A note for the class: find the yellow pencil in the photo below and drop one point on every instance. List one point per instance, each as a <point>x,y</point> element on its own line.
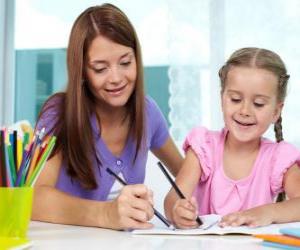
<point>19,152</point>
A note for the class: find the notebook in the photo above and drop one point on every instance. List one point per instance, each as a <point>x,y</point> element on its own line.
<point>210,226</point>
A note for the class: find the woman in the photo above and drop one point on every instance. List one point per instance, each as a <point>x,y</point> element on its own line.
<point>102,120</point>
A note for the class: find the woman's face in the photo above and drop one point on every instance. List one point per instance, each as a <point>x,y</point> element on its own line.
<point>111,71</point>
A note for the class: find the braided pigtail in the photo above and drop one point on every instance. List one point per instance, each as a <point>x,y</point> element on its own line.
<point>278,129</point>
<point>279,138</point>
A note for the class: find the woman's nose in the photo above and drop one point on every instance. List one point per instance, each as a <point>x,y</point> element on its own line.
<point>115,75</point>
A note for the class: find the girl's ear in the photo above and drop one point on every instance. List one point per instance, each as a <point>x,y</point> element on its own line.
<point>277,111</point>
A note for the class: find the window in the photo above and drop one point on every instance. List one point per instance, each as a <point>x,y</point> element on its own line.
<point>183,47</point>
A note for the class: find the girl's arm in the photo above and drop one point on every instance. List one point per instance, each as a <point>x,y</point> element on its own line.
<point>280,212</point>
<point>131,209</point>
<point>170,156</point>
<point>289,210</point>
<point>183,212</point>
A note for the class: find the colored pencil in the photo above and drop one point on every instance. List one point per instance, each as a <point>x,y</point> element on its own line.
<point>21,161</point>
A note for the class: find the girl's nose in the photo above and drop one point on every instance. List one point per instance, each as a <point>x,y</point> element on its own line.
<point>245,108</point>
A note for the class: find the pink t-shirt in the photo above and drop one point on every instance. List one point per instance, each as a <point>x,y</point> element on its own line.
<point>216,193</point>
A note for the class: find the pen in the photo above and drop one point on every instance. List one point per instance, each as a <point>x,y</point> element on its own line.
<point>179,193</point>
<point>157,214</point>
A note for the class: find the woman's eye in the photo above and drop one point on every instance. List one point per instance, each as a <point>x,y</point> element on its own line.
<point>99,70</point>
<point>126,63</point>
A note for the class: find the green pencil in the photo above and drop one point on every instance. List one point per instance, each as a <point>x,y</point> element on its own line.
<point>38,169</point>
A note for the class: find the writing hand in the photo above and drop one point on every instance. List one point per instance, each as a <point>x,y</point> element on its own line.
<point>133,208</point>
<point>184,213</point>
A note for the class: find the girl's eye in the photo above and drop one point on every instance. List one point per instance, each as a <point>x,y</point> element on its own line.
<point>235,100</point>
<point>259,105</point>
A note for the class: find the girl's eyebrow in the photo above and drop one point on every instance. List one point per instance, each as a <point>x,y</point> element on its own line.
<point>240,93</point>
<point>96,61</point>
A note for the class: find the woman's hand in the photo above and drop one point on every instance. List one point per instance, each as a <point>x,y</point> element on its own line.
<point>132,209</point>
<point>184,213</point>
<point>254,217</point>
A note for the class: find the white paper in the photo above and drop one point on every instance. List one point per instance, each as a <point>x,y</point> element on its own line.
<point>210,226</point>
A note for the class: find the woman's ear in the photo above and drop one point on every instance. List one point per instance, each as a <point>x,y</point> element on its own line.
<point>277,111</point>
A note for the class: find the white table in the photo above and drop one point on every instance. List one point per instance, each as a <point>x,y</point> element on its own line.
<point>55,237</point>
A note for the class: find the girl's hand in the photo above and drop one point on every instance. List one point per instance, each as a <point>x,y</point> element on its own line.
<point>132,209</point>
<point>184,213</point>
<point>254,217</point>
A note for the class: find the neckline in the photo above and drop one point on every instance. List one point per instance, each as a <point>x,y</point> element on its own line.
<point>254,166</point>
<point>102,144</point>
<point>108,152</point>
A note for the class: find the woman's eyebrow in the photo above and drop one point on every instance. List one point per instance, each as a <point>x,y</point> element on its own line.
<point>99,61</point>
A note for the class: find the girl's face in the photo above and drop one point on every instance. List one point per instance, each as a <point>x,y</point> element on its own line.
<point>249,102</point>
<point>111,71</point>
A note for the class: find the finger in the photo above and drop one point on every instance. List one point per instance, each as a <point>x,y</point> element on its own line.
<point>150,197</point>
<point>127,203</point>
<point>143,205</point>
<point>227,220</point>
<point>138,190</point>
<point>186,204</point>
<point>194,203</point>
<point>184,224</point>
<point>130,223</point>
<point>138,215</point>
<point>186,214</point>
<point>239,219</point>
<point>181,222</point>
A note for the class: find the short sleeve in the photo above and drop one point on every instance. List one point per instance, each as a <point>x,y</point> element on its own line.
<point>157,124</point>
<point>286,155</point>
<point>49,114</point>
<point>201,142</point>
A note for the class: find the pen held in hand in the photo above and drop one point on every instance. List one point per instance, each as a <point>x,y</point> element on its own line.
<point>157,214</point>
<point>177,190</point>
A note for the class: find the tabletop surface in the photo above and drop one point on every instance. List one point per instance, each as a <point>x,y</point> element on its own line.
<point>55,236</point>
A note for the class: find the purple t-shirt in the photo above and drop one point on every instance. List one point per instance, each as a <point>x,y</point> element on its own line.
<point>156,132</point>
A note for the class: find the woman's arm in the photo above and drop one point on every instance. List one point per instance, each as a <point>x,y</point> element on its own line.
<point>183,212</point>
<point>131,209</point>
<point>170,156</point>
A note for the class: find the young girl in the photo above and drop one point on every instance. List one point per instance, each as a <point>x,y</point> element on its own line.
<point>102,121</point>
<point>236,172</point>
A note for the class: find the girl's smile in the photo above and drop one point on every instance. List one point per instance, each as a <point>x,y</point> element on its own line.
<point>249,103</point>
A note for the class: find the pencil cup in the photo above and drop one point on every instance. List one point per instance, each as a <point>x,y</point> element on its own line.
<point>15,211</point>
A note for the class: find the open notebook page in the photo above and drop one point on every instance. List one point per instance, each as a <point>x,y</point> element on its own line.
<point>210,226</point>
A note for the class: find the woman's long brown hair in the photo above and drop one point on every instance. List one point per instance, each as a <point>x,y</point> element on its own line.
<point>73,129</point>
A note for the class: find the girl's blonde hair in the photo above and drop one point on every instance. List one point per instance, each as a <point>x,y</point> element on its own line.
<point>261,59</point>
